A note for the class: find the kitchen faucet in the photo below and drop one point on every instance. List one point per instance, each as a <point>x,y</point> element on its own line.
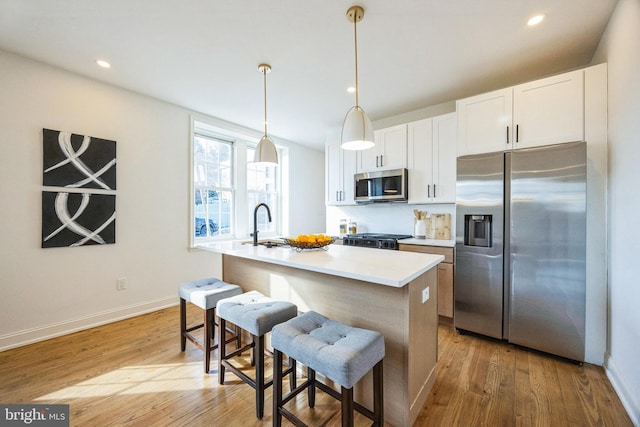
<point>255,221</point>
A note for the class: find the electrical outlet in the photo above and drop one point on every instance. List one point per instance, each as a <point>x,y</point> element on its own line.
<point>425,295</point>
<point>121,284</point>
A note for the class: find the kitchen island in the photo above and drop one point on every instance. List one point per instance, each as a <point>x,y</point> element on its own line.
<point>375,289</point>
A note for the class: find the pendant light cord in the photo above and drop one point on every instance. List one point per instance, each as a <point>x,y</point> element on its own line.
<point>355,42</point>
<point>264,71</point>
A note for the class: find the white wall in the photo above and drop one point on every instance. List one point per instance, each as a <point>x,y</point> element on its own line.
<point>620,47</point>
<point>48,292</point>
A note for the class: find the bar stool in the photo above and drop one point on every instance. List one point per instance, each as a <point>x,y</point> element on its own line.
<point>339,352</point>
<point>204,293</point>
<point>256,314</point>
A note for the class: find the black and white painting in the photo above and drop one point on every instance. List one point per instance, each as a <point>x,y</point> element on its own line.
<point>78,161</point>
<point>77,219</point>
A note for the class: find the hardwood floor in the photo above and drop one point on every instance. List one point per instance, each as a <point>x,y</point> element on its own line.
<point>133,373</point>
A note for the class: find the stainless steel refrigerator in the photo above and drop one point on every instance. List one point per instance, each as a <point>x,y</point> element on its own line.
<point>520,270</point>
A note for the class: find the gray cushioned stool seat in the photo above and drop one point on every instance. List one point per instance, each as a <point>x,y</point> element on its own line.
<point>255,313</point>
<point>342,353</point>
<point>205,293</point>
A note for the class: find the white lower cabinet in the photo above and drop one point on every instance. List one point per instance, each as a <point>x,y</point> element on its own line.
<point>431,150</point>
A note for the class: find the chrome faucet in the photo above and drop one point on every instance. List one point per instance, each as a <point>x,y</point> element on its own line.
<point>255,221</point>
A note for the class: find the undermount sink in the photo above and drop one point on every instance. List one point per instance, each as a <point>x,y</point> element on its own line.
<point>269,243</point>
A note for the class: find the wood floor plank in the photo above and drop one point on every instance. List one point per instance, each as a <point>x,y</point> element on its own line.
<point>132,373</point>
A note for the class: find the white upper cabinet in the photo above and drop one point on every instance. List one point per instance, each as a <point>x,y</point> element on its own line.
<point>484,122</point>
<point>549,111</point>
<point>390,151</point>
<point>542,112</point>
<point>432,159</point>
<point>340,166</point>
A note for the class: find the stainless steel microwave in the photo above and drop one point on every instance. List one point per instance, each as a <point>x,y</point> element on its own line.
<point>382,186</point>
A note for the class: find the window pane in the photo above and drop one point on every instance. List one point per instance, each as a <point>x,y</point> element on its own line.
<point>212,207</point>
<point>262,187</point>
<point>213,185</point>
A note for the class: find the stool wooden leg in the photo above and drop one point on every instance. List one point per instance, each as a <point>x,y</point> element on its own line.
<point>183,324</point>
<point>311,390</point>
<point>292,375</point>
<point>277,387</point>
<point>347,407</point>
<point>378,395</point>
<point>222,349</point>
<point>259,353</point>
<point>209,334</point>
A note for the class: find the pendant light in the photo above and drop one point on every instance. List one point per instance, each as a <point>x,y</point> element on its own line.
<point>357,132</point>
<point>266,152</point>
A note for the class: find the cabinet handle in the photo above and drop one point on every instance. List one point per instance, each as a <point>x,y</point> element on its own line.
<point>381,163</point>
<point>434,190</point>
<point>428,190</point>
<point>341,195</point>
<point>507,134</point>
<point>377,162</point>
<point>517,136</point>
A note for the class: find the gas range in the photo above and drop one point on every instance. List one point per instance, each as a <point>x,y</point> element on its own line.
<point>374,240</point>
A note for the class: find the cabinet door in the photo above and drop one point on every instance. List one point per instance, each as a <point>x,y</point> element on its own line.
<point>348,170</point>
<point>420,160</point>
<point>444,159</point>
<point>393,153</point>
<point>484,122</point>
<point>549,111</point>
<point>368,160</point>
<point>390,151</point>
<point>339,170</point>
<point>333,173</point>
<point>445,290</point>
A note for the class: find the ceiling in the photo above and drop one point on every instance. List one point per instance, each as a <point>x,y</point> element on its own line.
<point>204,54</point>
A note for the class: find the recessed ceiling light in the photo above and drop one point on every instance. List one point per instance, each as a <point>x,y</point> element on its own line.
<point>102,63</point>
<point>535,20</point>
<point>351,89</point>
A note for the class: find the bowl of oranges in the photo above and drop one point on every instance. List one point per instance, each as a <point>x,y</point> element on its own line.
<point>310,241</point>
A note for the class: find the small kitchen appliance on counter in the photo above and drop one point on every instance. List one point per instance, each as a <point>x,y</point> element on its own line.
<point>374,240</point>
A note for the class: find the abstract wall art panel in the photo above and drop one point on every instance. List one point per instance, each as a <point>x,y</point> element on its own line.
<point>77,219</point>
<point>78,161</point>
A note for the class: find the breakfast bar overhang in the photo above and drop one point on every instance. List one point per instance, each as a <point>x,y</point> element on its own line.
<point>392,292</point>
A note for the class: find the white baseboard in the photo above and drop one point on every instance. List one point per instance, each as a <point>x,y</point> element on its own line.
<point>29,336</point>
<point>629,401</point>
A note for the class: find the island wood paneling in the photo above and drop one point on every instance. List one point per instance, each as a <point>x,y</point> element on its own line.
<point>409,327</point>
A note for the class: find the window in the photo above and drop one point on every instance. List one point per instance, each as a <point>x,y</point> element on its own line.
<point>213,186</point>
<point>262,187</point>
<point>227,185</point>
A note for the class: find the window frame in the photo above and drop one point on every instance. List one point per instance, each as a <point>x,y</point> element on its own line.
<point>241,220</point>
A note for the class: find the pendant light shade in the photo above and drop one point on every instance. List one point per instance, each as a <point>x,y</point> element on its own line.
<point>266,152</point>
<point>357,132</point>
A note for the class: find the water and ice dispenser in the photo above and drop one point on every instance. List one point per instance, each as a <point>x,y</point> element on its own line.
<point>477,230</point>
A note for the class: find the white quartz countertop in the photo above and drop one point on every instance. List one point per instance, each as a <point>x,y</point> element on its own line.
<point>429,242</point>
<point>384,267</point>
